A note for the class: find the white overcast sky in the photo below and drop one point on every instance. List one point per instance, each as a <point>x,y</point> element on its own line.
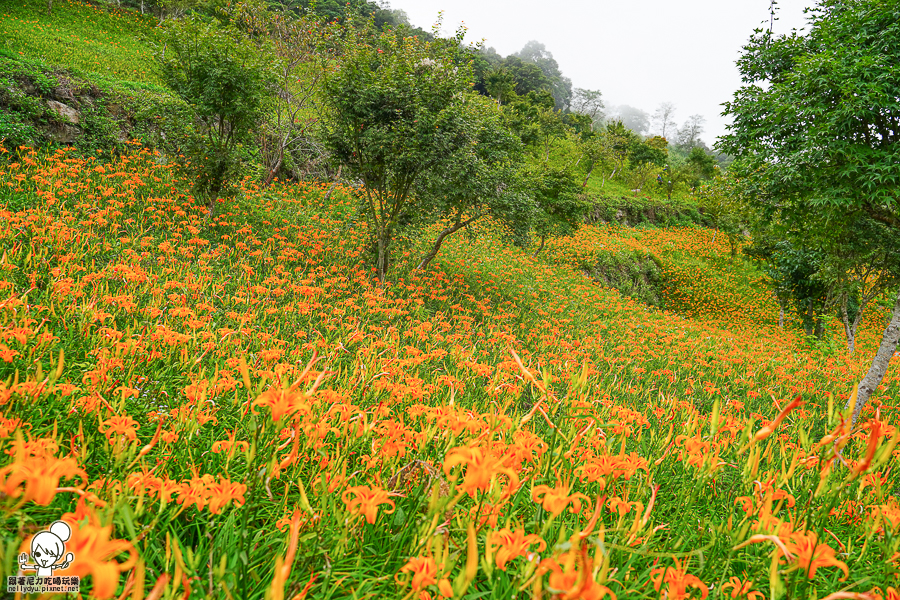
<point>636,52</point>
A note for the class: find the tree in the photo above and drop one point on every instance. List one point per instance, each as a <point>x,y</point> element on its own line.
<point>302,51</point>
<point>482,178</point>
<point>561,87</point>
<point>499,84</point>
<point>688,136</point>
<point>528,76</point>
<point>792,269</point>
<point>672,176</point>
<point>578,123</point>
<point>354,13</point>
<point>700,165</point>
<point>560,207</point>
<point>535,120</point>
<point>597,149</point>
<point>643,152</point>
<point>862,263</point>
<point>588,103</point>
<point>401,116</point>
<point>664,118</point>
<point>721,202</point>
<point>818,123</point>
<point>609,148</point>
<point>227,81</point>
<point>633,118</point>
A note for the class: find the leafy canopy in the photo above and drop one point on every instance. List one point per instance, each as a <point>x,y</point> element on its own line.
<point>403,119</point>
<point>818,116</point>
<point>227,80</point>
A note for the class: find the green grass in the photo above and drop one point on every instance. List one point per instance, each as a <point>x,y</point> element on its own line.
<point>111,111</point>
<point>618,186</point>
<point>614,201</point>
<point>90,39</point>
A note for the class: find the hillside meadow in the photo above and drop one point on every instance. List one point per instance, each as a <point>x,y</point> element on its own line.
<point>228,406</point>
<point>109,43</point>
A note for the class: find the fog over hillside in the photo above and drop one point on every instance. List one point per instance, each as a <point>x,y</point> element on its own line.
<point>636,54</point>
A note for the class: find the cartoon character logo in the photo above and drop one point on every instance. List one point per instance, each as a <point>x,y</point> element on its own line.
<point>47,548</point>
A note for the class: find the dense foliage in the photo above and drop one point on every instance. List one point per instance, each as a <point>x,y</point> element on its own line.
<point>817,124</point>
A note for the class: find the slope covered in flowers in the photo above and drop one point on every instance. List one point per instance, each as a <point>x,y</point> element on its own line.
<point>229,406</point>
<point>703,281</point>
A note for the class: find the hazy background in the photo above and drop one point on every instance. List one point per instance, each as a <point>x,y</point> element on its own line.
<point>639,53</point>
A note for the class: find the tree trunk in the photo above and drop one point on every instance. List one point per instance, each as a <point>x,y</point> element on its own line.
<point>809,322</point>
<point>820,328</point>
<point>781,317</point>
<point>333,184</point>
<point>440,240</point>
<point>611,175</point>
<point>588,176</point>
<point>880,363</point>
<point>49,6</point>
<point>541,247</point>
<point>851,338</point>
<point>274,170</point>
<point>382,258</point>
<point>849,328</point>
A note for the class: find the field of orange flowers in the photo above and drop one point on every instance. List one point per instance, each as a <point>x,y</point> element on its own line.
<point>702,280</point>
<point>228,406</point>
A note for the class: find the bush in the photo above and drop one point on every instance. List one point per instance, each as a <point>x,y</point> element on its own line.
<point>226,80</point>
<point>634,273</point>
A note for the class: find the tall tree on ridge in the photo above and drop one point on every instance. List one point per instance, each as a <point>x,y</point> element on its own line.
<point>664,119</point>
<point>817,124</point>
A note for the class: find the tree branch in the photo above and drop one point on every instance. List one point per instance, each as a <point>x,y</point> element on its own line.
<point>882,216</point>
<point>440,240</point>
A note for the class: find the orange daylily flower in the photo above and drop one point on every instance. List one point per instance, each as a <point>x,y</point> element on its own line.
<point>481,468</point>
<point>810,554</point>
<point>512,544</point>
<point>556,499</point>
<point>876,594</point>
<point>281,402</point>
<point>123,426</point>
<point>40,476</point>
<point>424,571</point>
<point>802,550</point>
<point>742,589</point>
<point>365,500</point>
<point>890,512</point>
<point>571,579</point>
<point>871,446</point>
<point>770,428</point>
<point>677,580</point>
<point>223,492</point>
<point>283,564</point>
<point>229,446</point>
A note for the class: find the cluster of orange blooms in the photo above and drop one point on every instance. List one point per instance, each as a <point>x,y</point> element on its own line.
<point>496,425</point>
